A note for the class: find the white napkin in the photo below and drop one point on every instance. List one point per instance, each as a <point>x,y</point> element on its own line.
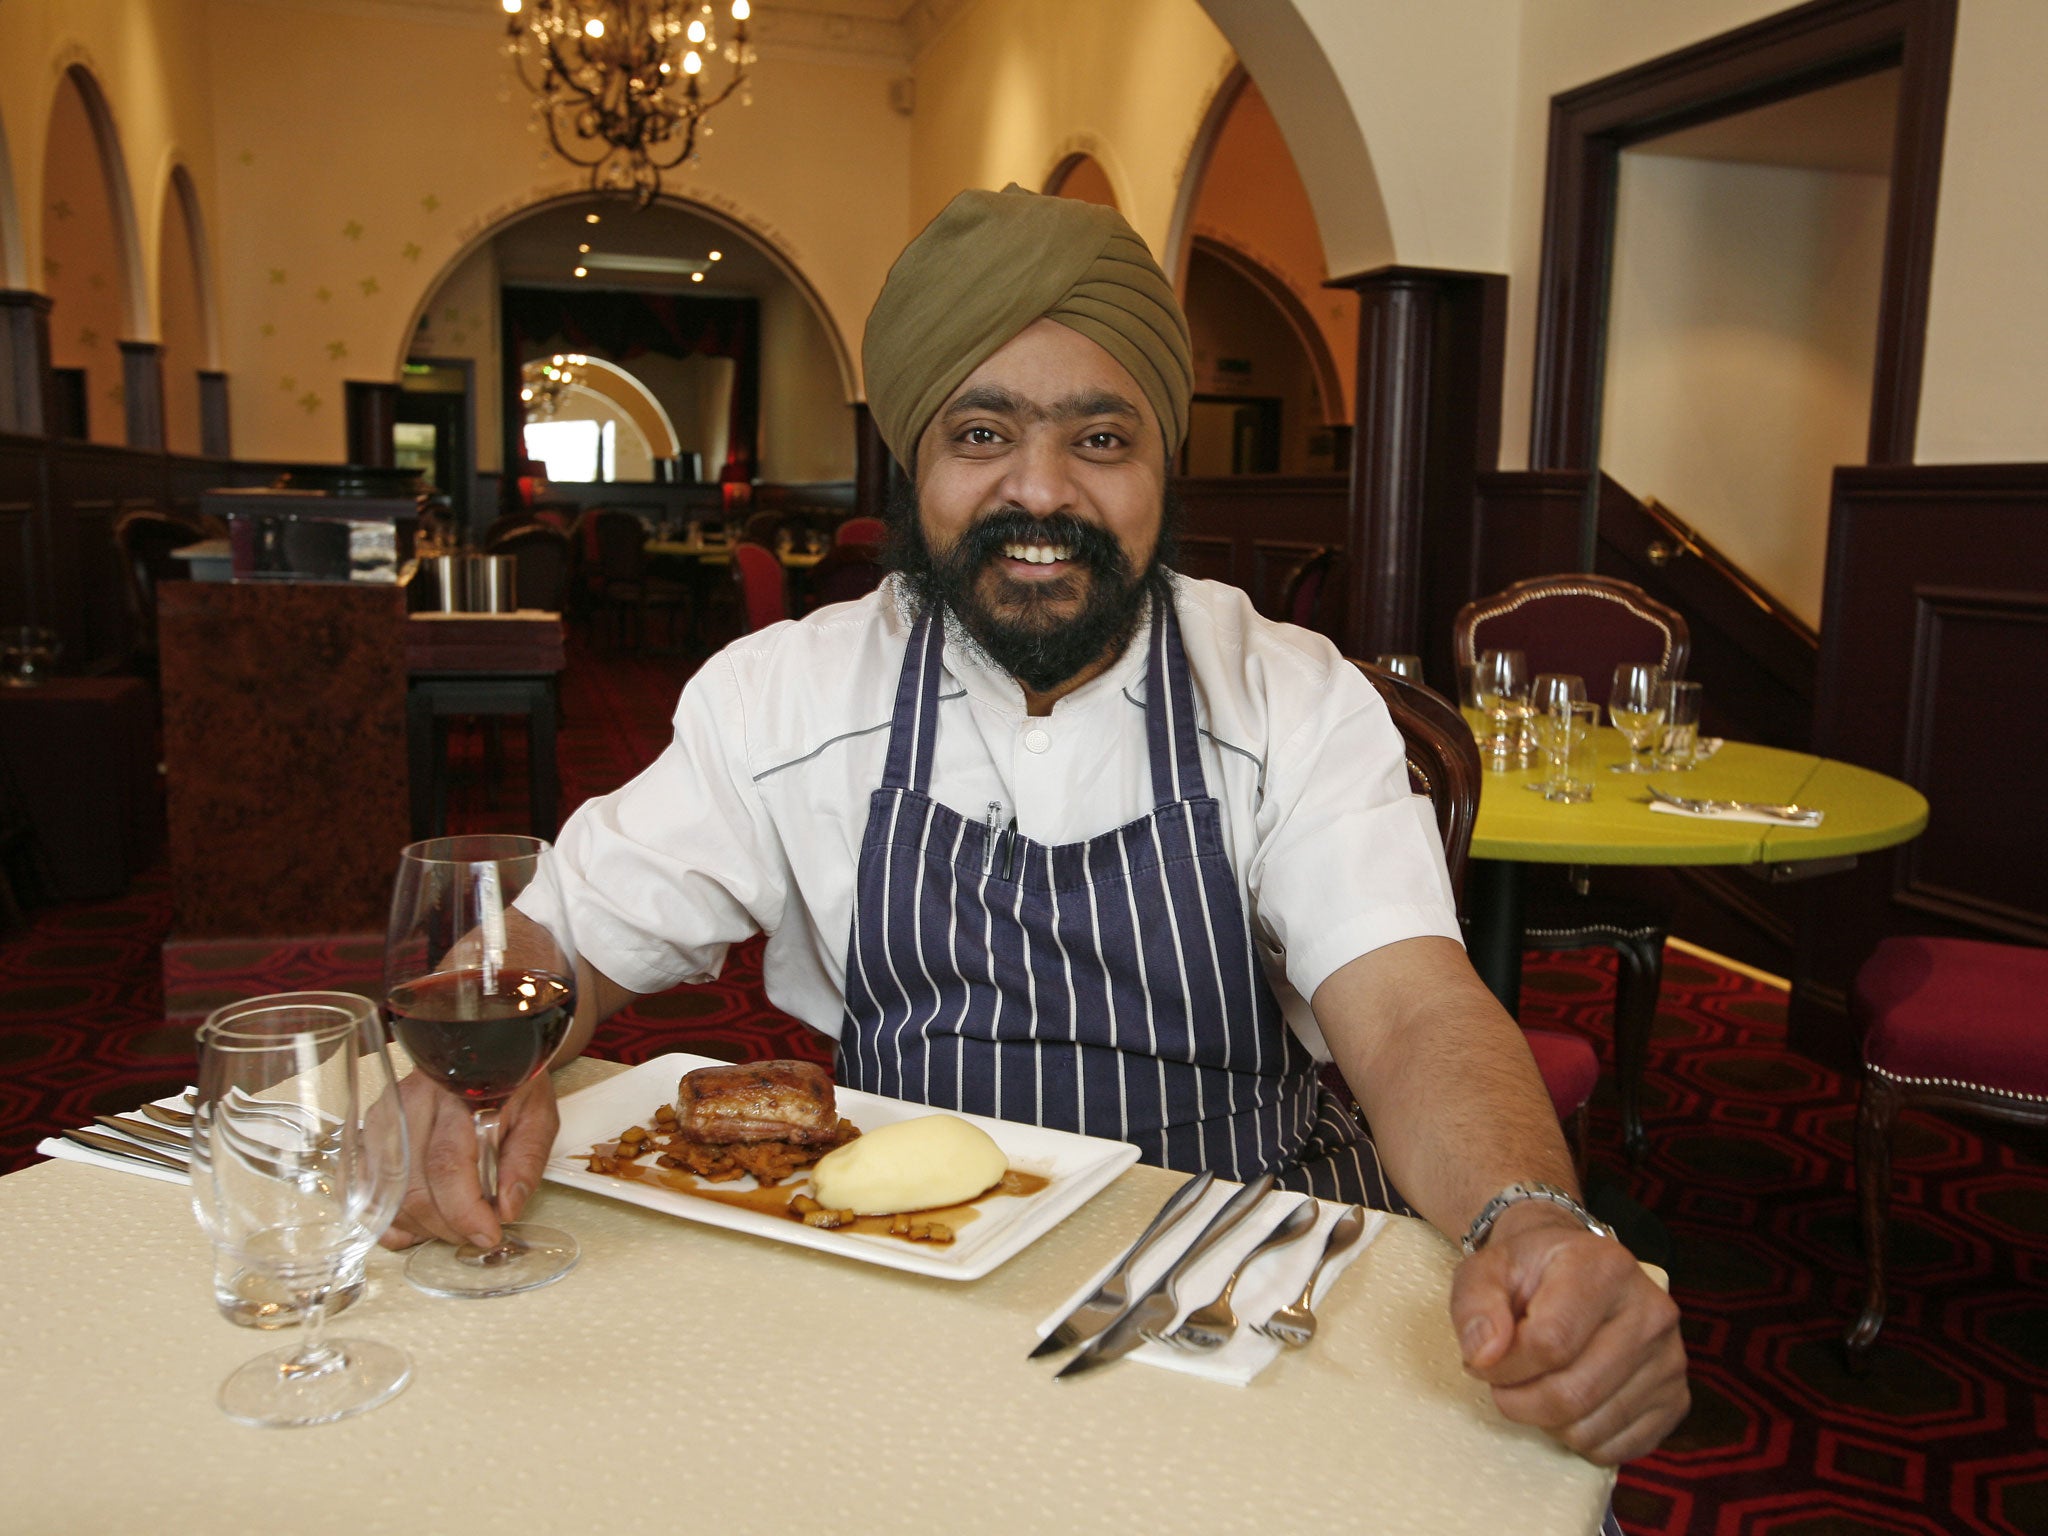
<point>1718,814</point>
<point>1270,1284</point>
<point>71,1151</point>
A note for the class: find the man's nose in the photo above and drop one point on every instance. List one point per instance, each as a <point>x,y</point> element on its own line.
<point>1039,476</point>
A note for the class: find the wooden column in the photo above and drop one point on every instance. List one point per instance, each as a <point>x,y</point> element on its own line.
<point>214,441</point>
<point>1428,420</point>
<point>372,411</point>
<point>142,393</point>
<point>24,362</point>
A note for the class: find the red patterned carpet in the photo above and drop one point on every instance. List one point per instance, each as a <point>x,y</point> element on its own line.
<point>1749,1173</point>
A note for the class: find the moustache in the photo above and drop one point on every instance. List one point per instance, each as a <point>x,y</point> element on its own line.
<point>1088,545</point>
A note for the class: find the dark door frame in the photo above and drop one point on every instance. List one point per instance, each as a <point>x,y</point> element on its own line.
<point>468,502</point>
<point>1787,55</point>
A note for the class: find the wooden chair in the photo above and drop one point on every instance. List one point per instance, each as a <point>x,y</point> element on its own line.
<point>145,541</point>
<point>543,555</point>
<point>621,585</point>
<point>1443,763</point>
<point>869,532</point>
<point>1314,594</point>
<point>1587,626</point>
<point>763,589</point>
<point>846,573</point>
<point>1957,1026</point>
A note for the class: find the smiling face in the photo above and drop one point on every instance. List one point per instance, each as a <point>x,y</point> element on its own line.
<point>1040,502</point>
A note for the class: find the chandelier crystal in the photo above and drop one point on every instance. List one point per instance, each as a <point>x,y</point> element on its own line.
<point>623,85</point>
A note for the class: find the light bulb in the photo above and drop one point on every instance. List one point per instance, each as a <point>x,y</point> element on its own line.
<point>590,218</point>
<point>741,10</point>
<point>527,393</point>
<point>696,277</point>
<point>696,32</point>
<point>718,255</point>
<point>512,7</point>
<point>583,271</point>
<point>581,249</point>
<point>593,28</point>
<point>691,63</point>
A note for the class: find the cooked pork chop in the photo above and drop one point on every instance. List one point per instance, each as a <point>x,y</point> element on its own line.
<point>758,1101</point>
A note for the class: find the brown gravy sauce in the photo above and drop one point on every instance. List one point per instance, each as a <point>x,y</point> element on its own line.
<point>774,1199</point>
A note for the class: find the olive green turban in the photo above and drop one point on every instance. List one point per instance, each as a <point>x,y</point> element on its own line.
<point>989,265</point>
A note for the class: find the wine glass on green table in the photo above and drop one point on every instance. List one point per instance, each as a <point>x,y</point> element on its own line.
<point>479,986</point>
<point>298,1165</point>
<point>1635,707</point>
<point>1550,700</point>
<point>1501,689</point>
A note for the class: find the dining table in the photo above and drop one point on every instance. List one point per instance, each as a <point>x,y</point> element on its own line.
<point>1862,811</point>
<point>719,552</point>
<point>713,1380</point>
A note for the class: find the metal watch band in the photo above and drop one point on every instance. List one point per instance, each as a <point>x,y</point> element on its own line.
<point>1482,1224</point>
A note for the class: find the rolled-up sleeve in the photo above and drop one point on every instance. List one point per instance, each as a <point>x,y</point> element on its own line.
<point>1347,860</point>
<point>664,874</point>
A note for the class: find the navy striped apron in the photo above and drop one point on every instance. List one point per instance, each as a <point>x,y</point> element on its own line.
<point>1107,987</point>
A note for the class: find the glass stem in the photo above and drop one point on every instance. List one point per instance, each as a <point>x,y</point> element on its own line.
<point>487,1151</point>
<point>313,1355</point>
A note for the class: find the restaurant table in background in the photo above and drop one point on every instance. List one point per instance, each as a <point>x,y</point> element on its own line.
<point>725,1382</point>
<point>490,664</point>
<point>82,752</point>
<point>1865,811</point>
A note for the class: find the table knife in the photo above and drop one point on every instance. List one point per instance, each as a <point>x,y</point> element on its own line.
<point>143,1131</point>
<point>115,1147</point>
<point>1153,1311</point>
<point>1101,1308</point>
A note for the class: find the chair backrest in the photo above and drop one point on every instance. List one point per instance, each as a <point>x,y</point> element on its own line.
<point>858,531</point>
<point>619,543</point>
<point>543,556</point>
<point>759,574</point>
<point>145,541</point>
<point>1577,623</point>
<point>764,528</point>
<point>1314,595</point>
<point>1443,761</point>
<point>848,572</point>
<point>504,525</point>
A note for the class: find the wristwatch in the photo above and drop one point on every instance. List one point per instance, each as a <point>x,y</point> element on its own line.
<point>1482,1224</point>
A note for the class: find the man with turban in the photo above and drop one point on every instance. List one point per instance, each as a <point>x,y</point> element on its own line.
<point>1043,831</point>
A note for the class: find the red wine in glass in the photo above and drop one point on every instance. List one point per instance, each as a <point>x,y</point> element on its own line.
<point>481,1034</point>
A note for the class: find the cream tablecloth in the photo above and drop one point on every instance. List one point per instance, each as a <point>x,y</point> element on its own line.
<point>692,1380</point>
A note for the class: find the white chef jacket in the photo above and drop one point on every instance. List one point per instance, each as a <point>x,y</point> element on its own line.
<point>751,820</point>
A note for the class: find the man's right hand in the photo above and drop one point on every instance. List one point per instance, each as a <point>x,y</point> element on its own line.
<point>444,1196</point>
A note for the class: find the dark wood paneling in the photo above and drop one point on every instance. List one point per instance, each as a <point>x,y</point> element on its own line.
<point>1526,523</point>
<point>1254,531</point>
<point>1936,605</point>
<point>215,441</point>
<point>142,394</point>
<point>370,409</point>
<point>1786,55</point>
<point>24,361</point>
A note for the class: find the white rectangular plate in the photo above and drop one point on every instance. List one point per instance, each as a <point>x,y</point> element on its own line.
<point>1075,1167</point>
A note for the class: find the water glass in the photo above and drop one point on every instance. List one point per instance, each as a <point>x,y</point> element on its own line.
<point>299,1158</point>
<point>1569,746</point>
<point>1681,744</point>
<point>1635,707</point>
<point>1400,664</point>
<point>1501,692</point>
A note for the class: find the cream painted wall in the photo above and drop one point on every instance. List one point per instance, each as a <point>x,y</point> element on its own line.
<point>1740,341</point>
<point>461,320</point>
<point>181,324</point>
<point>1009,88</point>
<point>81,265</point>
<point>806,429</point>
<point>341,207</point>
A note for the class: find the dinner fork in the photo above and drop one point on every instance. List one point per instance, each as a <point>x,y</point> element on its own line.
<point>1788,812</point>
<point>1213,1326</point>
<point>1294,1324</point>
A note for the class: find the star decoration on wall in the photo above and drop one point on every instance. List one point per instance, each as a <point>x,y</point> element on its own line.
<point>309,402</point>
<point>337,350</point>
<point>266,329</point>
<point>60,209</point>
<point>430,202</point>
<point>52,266</point>
<point>368,285</point>
<point>352,230</point>
<point>451,314</point>
<point>117,393</point>
<point>96,280</point>
<point>458,337</point>
<point>287,384</point>
<point>247,157</point>
<point>410,250</point>
<point>322,294</point>
<point>88,337</point>
<point>277,274</point>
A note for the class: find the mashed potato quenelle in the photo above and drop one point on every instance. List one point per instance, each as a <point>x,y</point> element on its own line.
<point>913,1165</point>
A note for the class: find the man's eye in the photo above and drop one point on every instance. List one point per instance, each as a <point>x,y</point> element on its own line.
<point>1102,442</point>
<point>981,437</point>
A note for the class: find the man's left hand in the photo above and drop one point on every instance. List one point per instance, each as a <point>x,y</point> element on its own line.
<point>1571,1335</point>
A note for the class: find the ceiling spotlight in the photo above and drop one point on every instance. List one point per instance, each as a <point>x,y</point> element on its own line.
<point>590,218</point>
<point>593,28</point>
<point>582,250</point>
<point>696,277</point>
<point>718,255</point>
<point>512,6</point>
<point>583,271</point>
<point>741,10</point>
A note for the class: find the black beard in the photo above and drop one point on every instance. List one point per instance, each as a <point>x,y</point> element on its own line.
<point>1027,638</point>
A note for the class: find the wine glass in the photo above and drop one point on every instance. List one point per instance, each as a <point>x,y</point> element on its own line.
<point>1501,689</point>
<point>298,1166</point>
<point>1400,664</point>
<point>1636,709</point>
<point>479,986</point>
<point>1550,702</point>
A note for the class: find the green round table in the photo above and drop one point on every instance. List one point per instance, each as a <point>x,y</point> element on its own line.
<point>1865,811</point>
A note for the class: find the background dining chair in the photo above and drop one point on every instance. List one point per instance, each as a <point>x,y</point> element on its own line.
<point>860,531</point>
<point>847,572</point>
<point>543,556</point>
<point>1954,1025</point>
<point>145,540</point>
<point>1314,594</point>
<point>1587,626</point>
<point>762,587</point>
<point>1443,764</point>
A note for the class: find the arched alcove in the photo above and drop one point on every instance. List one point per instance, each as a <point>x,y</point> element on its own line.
<point>1082,177</point>
<point>184,310</point>
<point>1260,400</point>
<point>90,266</point>
<point>576,387</point>
<point>13,273</point>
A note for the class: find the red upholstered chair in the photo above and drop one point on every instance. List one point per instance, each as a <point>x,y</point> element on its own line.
<point>869,531</point>
<point>1954,1025</point>
<point>1314,595</point>
<point>1588,625</point>
<point>759,575</point>
<point>544,559</point>
<point>1443,763</point>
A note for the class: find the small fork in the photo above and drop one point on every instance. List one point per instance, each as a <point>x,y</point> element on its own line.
<point>1213,1326</point>
<point>1294,1324</point>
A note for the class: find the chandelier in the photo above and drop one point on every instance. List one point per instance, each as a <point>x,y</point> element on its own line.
<point>544,384</point>
<point>623,84</point>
